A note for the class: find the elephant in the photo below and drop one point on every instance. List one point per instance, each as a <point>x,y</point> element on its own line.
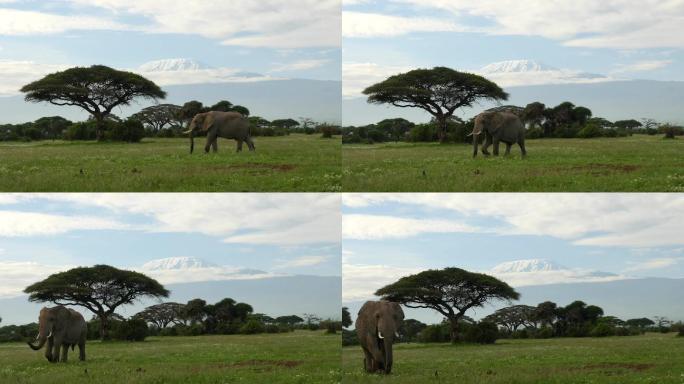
<point>377,327</point>
<point>499,126</point>
<point>229,125</point>
<point>61,328</point>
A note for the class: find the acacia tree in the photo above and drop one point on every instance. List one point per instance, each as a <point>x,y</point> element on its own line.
<point>162,314</point>
<point>101,289</point>
<point>159,116</point>
<point>450,291</point>
<point>97,89</point>
<point>440,91</point>
<point>513,317</point>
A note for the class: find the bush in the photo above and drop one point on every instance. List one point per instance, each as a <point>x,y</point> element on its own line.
<point>520,334</point>
<point>229,328</point>
<point>130,330</point>
<point>349,338</point>
<point>602,330</point>
<point>544,333</point>
<point>534,133</point>
<point>130,131</point>
<point>622,331</point>
<point>435,333</point>
<point>272,328</point>
<point>681,332</point>
<point>483,332</point>
<point>423,133</point>
<point>589,131</point>
<point>251,327</point>
<point>81,131</point>
<point>169,331</point>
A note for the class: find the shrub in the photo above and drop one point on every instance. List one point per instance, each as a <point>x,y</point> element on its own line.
<point>349,338</point>
<point>622,331</point>
<point>423,133</point>
<point>483,332</point>
<point>534,133</point>
<point>169,331</point>
<point>130,131</point>
<point>130,330</point>
<point>81,131</point>
<point>602,330</point>
<point>272,328</point>
<point>435,333</point>
<point>589,131</point>
<point>544,333</point>
<point>681,332</point>
<point>251,327</point>
<point>520,334</point>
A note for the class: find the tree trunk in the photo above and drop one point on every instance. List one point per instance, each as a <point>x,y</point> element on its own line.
<point>454,330</point>
<point>442,129</point>
<point>104,325</point>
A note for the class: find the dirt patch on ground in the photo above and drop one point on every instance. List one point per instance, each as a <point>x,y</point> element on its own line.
<point>604,169</point>
<point>636,367</point>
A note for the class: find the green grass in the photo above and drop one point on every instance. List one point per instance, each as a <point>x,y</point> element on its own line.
<point>637,163</point>
<point>299,357</point>
<point>289,163</point>
<point>651,358</point>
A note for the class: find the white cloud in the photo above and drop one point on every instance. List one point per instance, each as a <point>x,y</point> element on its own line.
<point>193,275</point>
<point>17,22</point>
<point>615,220</point>
<point>556,76</point>
<point>643,66</point>
<point>301,65</point>
<point>21,224</point>
<point>375,227</point>
<point>303,261</point>
<point>658,263</point>
<point>359,24</point>
<point>17,275</point>
<point>254,23</point>
<point>358,76</point>
<point>360,281</point>
<point>15,74</point>
<point>268,218</point>
<point>565,276</point>
<point>620,24</point>
<point>202,76</point>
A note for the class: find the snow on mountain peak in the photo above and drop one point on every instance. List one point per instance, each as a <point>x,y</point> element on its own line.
<point>531,265</point>
<point>166,65</point>
<point>177,263</point>
<point>515,66</point>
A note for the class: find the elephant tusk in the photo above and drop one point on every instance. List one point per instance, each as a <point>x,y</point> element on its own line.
<point>186,132</point>
<point>380,335</point>
<point>396,334</point>
<point>50,335</point>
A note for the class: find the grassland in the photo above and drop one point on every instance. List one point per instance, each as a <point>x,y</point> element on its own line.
<point>651,358</point>
<point>637,163</point>
<point>291,163</point>
<point>299,357</point>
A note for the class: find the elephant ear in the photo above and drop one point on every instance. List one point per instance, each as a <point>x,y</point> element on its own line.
<point>208,122</point>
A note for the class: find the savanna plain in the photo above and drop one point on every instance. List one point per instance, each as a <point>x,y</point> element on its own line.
<point>296,357</point>
<point>297,162</point>
<point>649,358</point>
<point>635,163</point>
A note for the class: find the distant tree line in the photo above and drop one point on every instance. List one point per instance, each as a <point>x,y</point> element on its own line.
<point>562,121</point>
<point>102,289</point>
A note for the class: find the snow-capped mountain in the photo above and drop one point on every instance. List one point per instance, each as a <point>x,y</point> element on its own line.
<point>530,265</point>
<point>516,66</point>
<point>177,263</point>
<point>167,65</point>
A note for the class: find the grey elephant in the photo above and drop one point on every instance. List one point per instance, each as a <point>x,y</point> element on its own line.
<point>229,125</point>
<point>377,327</point>
<point>499,127</point>
<point>61,328</point>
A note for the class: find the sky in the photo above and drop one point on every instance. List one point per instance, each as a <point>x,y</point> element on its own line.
<point>235,236</point>
<point>584,237</point>
<point>620,39</point>
<point>275,39</point>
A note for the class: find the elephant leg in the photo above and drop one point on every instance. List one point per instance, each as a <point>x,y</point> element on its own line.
<point>496,147</point>
<point>508,149</point>
<point>522,148</point>
<point>250,144</point>
<point>368,361</point>
<point>211,137</point>
<point>214,145</point>
<point>56,345</point>
<point>81,350</point>
<point>485,145</point>
<point>65,353</point>
<point>239,146</point>
<point>48,350</point>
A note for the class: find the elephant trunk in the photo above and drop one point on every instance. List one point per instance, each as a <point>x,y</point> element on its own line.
<point>474,144</point>
<point>41,339</point>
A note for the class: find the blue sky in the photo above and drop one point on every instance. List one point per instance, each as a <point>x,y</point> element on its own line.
<point>624,236</point>
<point>277,234</point>
<point>288,39</point>
<point>619,40</point>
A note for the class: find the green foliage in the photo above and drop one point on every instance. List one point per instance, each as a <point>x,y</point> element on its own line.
<point>130,330</point>
<point>252,327</point>
<point>130,131</point>
<point>435,333</point>
<point>602,330</point>
<point>349,337</point>
<point>482,333</point>
<point>346,317</point>
<point>589,131</point>
<point>423,133</point>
